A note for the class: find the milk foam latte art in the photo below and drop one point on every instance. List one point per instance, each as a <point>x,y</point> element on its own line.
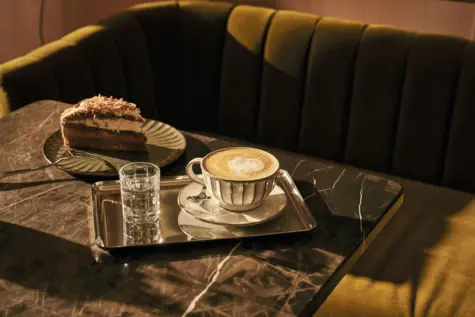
<point>244,165</point>
<point>241,164</point>
<point>239,177</point>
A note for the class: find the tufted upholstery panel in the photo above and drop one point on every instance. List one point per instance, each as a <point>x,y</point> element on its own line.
<point>367,95</point>
<point>459,169</point>
<point>328,88</point>
<point>283,78</point>
<point>372,96</point>
<point>25,80</point>
<point>133,61</point>
<point>159,26</point>
<point>65,65</point>
<point>203,29</point>
<point>380,68</point>
<point>426,106</point>
<point>241,74</point>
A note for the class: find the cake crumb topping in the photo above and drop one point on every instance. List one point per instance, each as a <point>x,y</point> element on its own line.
<point>101,105</point>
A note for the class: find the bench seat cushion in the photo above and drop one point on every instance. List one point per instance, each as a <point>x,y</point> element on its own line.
<point>421,264</point>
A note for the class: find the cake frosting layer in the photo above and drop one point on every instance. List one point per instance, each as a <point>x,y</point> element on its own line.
<point>104,107</point>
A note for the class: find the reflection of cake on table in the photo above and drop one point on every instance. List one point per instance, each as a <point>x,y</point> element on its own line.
<point>103,123</point>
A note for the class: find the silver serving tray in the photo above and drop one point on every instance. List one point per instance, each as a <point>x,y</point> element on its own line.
<point>111,232</point>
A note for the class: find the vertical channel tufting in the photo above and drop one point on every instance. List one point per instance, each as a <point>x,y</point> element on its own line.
<point>68,69</point>
<point>241,74</point>
<point>160,26</point>
<point>25,80</point>
<point>97,46</point>
<point>379,76</point>
<point>283,78</point>
<point>328,87</point>
<point>87,77</point>
<point>203,29</point>
<point>460,156</point>
<point>429,89</point>
<point>132,50</point>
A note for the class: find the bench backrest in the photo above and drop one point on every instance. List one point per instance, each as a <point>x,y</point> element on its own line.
<point>371,96</point>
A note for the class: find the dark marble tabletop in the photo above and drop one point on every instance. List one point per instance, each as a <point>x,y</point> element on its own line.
<point>49,265</point>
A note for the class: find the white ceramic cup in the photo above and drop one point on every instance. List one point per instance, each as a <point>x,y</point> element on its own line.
<point>234,195</point>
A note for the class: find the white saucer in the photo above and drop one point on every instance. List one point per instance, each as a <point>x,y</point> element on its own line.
<point>200,230</point>
<point>209,210</point>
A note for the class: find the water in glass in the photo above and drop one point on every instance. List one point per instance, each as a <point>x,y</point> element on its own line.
<point>140,186</point>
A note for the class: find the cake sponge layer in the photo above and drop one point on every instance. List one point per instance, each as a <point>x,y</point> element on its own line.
<point>83,137</point>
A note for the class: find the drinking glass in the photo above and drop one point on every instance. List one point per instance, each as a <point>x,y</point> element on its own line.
<point>139,189</point>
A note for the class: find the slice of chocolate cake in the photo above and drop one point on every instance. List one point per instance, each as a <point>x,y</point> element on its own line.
<point>103,123</point>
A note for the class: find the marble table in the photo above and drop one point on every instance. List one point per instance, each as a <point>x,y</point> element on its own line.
<point>49,265</point>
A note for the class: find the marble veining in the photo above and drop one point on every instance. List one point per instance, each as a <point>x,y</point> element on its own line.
<point>360,205</point>
<point>53,267</point>
<point>211,281</point>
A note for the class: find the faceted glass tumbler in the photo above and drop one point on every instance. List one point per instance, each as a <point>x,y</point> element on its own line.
<point>140,192</point>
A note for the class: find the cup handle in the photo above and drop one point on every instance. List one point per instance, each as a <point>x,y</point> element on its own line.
<point>191,174</point>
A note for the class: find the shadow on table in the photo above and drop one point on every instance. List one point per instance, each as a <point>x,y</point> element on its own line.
<point>335,237</point>
<point>194,148</point>
<point>71,271</point>
<point>68,270</point>
<point>399,254</point>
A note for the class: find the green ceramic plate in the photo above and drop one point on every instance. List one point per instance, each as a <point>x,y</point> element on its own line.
<point>165,144</point>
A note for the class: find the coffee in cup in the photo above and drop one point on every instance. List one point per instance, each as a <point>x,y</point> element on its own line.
<point>239,177</point>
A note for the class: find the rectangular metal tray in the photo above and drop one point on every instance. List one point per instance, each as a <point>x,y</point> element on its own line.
<point>112,233</point>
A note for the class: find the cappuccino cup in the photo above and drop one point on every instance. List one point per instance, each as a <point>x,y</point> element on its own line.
<point>240,178</point>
